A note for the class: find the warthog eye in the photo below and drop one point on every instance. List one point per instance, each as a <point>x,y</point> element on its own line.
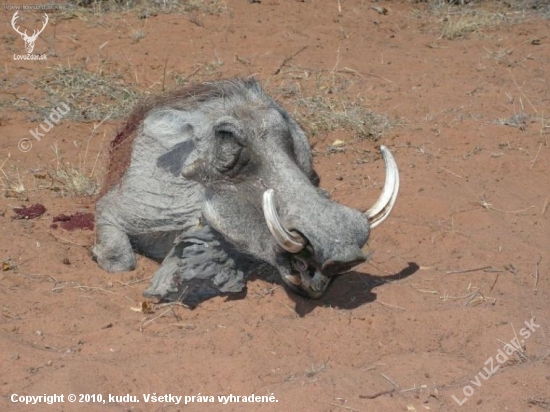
<point>224,134</point>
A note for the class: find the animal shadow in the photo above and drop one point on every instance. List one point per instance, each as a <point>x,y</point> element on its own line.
<point>350,291</point>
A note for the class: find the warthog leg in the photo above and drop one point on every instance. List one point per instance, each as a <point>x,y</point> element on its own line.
<point>113,251</point>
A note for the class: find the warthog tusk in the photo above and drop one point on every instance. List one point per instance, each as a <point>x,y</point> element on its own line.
<point>383,206</point>
<point>295,280</point>
<point>291,241</point>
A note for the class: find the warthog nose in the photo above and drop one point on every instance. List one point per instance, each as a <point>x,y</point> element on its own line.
<point>337,266</point>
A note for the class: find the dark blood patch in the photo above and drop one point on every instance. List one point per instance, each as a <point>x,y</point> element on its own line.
<point>31,212</point>
<point>76,221</point>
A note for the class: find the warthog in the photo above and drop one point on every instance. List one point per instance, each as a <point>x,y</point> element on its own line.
<point>216,178</point>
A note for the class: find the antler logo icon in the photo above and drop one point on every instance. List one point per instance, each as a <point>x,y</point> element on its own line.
<point>29,40</point>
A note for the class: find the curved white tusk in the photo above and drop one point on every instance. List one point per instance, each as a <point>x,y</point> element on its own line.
<point>295,280</point>
<point>291,241</point>
<point>383,206</point>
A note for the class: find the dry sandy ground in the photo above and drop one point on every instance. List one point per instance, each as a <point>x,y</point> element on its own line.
<point>457,269</point>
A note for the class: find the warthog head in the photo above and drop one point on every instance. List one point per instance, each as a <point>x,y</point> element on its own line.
<point>253,163</point>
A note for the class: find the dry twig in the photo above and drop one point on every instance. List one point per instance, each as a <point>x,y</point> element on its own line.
<point>286,60</point>
<point>377,394</point>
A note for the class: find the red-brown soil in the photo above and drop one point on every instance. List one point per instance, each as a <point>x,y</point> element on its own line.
<point>457,269</point>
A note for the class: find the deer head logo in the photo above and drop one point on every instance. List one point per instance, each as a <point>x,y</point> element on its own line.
<point>29,40</point>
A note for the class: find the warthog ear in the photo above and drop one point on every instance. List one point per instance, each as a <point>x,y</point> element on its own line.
<point>173,160</point>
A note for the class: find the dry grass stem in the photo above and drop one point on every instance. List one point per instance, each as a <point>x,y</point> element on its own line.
<point>92,288</point>
<point>494,283</point>
<point>454,272</point>
<point>346,407</point>
<point>536,157</point>
<point>489,206</point>
<point>388,305</point>
<point>536,274</point>
<point>521,91</point>
<point>62,239</point>
<point>150,321</point>
<point>390,380</point>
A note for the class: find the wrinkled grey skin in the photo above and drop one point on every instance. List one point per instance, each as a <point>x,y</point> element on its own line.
<point>211,159</point>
